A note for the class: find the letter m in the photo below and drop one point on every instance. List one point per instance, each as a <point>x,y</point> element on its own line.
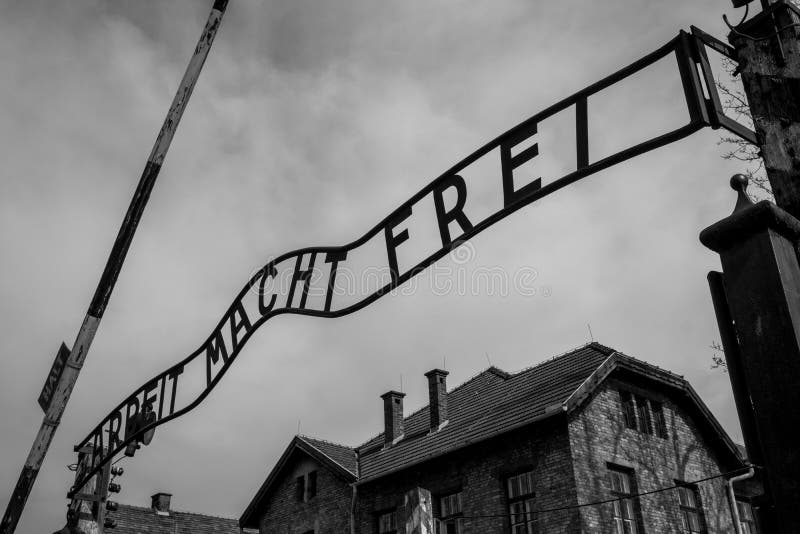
<point>214,350</point>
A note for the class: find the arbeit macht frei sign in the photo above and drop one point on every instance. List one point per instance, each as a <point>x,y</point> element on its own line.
<point>308,281</point>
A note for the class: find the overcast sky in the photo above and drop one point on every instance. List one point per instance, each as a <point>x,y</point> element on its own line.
<point>310,123</point>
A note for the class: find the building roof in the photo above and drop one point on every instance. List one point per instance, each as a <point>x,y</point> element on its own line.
<point>490,404</point>
<point>340,459</point>
<point>141,520</point>
<point>342,455</point>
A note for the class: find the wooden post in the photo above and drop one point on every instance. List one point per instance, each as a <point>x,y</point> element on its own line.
<point>768,50</point>
<point>91,321</point>
<point>418,512</point>
<point>761,285</point>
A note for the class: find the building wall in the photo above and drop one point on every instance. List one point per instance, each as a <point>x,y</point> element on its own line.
<point>480,472</point>
<point>598,436</point>
<point>327,513</point>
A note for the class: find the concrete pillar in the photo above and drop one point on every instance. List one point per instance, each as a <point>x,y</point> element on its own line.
<point>418,512</point>
<point>761,278</point>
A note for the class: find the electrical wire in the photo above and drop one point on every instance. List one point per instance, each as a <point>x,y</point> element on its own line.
<point>605,501</point>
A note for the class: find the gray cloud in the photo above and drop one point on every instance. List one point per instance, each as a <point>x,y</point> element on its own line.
<point>310,123</point>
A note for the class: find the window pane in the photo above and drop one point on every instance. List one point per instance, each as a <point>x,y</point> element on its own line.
<point>616,483</point>
<point>694,522</point>
<point>645,424</point>
<point>450,504</point>
<point>628,409</point>
<point>620,482</point>
<point>628,509</point>
<point>386,523</point>
<point>312,484</point>
<point>658,419</point>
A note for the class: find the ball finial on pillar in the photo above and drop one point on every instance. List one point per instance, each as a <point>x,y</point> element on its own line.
<point>739,184</point>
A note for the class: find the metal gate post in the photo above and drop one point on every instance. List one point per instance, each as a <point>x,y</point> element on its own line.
<point>761,281</point>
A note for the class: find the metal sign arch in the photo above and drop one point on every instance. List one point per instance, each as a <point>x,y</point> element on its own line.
<point>220,349</point>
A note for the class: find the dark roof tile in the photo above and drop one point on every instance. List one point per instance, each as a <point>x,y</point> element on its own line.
<point>140,520</point>
<point>341,454</point>
<point>486,405</point>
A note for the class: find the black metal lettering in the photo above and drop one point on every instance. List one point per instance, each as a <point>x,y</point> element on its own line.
<point>215,348</point>
<point>509,163</point>
<point>456,213</point>
<point>301,276</point>
<point>129,425</point>
<point>393,241</point>
<point>269,270</point>
<point>147,398</point>
<point>333,258</point>
<point>174,376</point>
<point>114,424</point>
<point>161,397</point>
<point>243,323</point>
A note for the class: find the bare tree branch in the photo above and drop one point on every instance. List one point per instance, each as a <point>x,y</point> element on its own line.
<point>734,102</point>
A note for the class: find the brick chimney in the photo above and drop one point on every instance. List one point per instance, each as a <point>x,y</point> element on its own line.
<point>392,416</point>
<point>437,395</point>
<point>160,503</point>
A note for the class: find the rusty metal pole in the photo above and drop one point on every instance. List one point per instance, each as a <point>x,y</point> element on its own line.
<point>761,330</point>
<point>107,281</point>
<point>768,50</point>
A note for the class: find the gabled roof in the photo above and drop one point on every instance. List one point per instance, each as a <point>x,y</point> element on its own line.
<point>495,402</point>
<point>489,404</point>
<point>339,459</point>
<point>140,520</point>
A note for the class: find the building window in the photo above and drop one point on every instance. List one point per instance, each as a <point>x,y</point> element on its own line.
<point>449,514</point>
<point>387,522</point>
<point>626,505</point>
<point>659,420</point>
<point>628,409</point>
<point>306,487</point>
<point>311,485</point>
<point>645,423</point>
<point>521,502</point>
<point>692,519</point>
<point>644,415</point>
<point>746,520</point>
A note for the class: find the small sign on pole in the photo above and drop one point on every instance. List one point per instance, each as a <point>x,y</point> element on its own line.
<point>53,377</point>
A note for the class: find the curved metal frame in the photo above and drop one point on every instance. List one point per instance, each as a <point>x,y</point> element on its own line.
<point>702,113</point>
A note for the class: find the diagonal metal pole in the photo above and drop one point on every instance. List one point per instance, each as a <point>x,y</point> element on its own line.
<point>107,281</point>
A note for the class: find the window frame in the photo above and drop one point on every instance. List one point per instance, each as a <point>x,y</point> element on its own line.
<point>628,405</point>
<point>383,513</point>
<point>300,488</point>
<point>686,509</point>
<point>659,419</point>
<point>305,489</point>
<point>626,500</point>
<point>748,525</point>
<point>643,414</point>
<point>454,519</point>
<point>311,485</point>
<point>530,522</point>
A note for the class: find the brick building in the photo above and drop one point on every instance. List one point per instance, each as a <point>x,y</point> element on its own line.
<point>531,452</point>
